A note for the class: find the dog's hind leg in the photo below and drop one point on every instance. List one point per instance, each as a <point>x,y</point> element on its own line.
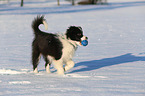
<point>35,58</point>
<point>47,65</point>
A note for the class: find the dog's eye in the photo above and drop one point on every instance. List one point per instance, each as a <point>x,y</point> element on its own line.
<point>79,34</point>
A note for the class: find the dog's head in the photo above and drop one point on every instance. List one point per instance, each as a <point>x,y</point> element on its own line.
<point>75,34</point>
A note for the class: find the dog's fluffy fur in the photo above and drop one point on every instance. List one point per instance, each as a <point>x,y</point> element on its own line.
<point>56,49</point>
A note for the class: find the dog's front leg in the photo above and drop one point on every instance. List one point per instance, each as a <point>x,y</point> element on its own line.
<point>69,64</point>
<point>59,66</point>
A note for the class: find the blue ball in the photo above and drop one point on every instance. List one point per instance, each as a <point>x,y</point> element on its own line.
<point>84,42</point>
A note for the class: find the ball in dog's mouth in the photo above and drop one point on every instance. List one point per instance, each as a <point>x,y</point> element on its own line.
<point>84,42</point>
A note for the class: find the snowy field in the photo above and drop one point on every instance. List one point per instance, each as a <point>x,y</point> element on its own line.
<point>113,64</point>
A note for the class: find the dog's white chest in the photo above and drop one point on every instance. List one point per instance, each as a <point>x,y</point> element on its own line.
<point>68,50</point>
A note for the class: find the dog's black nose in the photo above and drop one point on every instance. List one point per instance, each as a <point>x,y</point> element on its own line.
<point>86,38</point>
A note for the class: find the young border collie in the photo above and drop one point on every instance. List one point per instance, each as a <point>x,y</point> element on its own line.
<point>55,48</point>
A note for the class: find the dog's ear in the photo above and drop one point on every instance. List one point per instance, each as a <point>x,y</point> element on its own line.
<point>68,32</point>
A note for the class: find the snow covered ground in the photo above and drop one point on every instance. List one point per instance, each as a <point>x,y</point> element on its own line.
<point>113,64</point>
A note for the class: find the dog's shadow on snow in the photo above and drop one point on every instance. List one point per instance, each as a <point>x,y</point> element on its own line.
<point>96,64</point>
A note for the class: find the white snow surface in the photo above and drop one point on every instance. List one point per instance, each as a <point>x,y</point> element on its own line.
<point>113,64</point>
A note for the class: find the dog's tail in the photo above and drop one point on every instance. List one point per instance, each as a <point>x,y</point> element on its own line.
<point>36,22</point>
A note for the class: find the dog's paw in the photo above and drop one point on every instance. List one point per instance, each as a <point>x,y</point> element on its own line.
<point>36,70</point>
<point>48,71</point>
<point>60,73</point>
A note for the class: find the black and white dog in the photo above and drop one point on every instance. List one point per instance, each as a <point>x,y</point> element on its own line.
<point>56,49</point>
